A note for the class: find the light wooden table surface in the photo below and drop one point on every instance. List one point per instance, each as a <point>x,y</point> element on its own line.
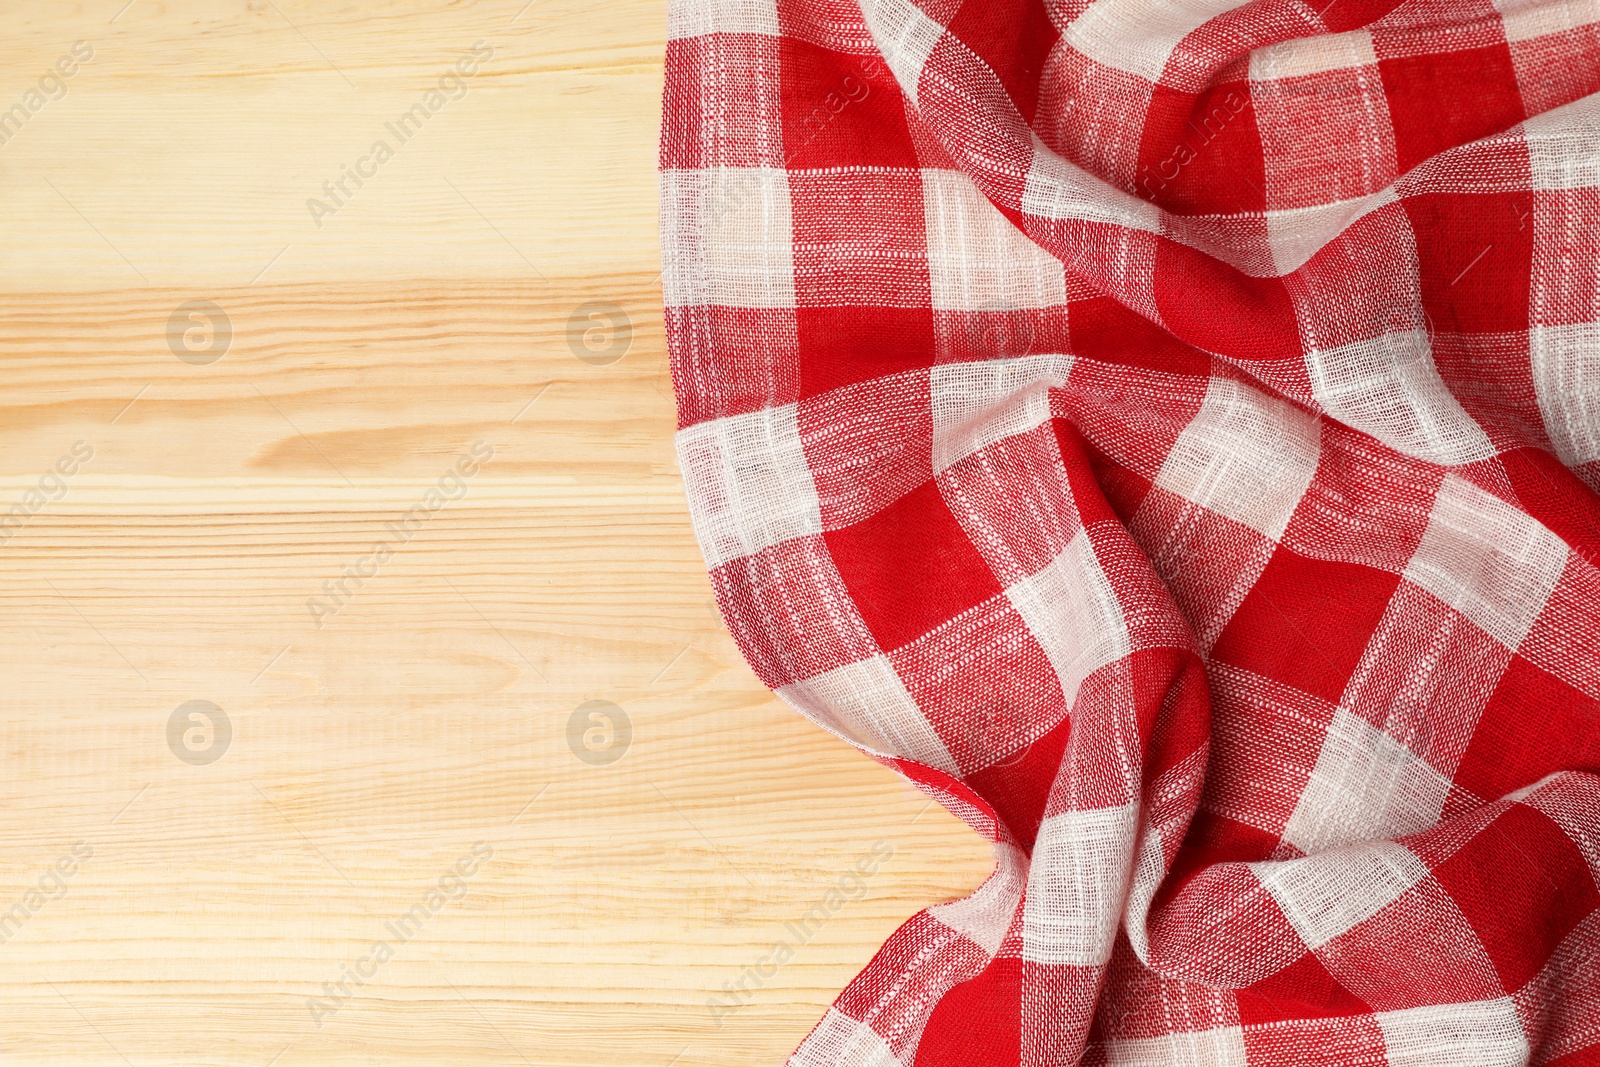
<point>156,908</point>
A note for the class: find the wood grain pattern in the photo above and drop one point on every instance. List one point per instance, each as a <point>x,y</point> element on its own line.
<point>372,747</point>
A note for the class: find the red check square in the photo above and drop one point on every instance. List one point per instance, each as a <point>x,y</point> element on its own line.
<point>930,574</point>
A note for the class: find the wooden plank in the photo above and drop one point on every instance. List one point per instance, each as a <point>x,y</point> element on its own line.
<point>214,540</point>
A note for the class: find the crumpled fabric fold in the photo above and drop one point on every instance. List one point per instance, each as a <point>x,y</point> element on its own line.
<point>1168,433</point>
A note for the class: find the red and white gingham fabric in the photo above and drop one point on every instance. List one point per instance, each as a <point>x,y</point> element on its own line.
<point>1168,431</point>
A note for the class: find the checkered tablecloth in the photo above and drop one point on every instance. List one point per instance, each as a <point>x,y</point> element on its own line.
<point>1167,431</point>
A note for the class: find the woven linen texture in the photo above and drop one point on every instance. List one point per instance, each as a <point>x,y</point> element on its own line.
<point>1168,432</point>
